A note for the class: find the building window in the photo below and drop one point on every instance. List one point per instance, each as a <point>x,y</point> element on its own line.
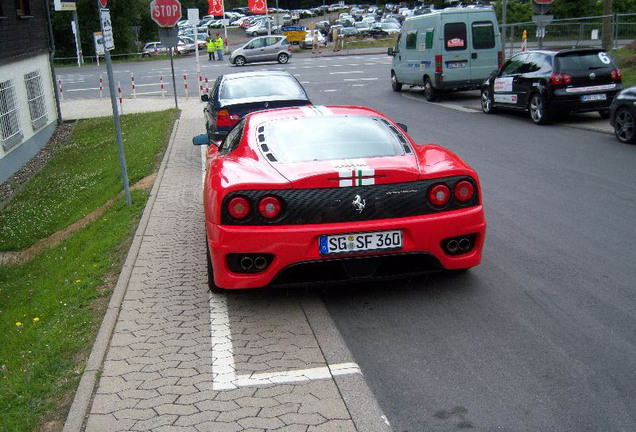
<point>35,95</point>
<point>9,121</point>
<point>22,8</point>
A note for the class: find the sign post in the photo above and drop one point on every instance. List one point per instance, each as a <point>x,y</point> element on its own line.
<point>166,13</point>
<point>541,20</point>
<point>193,19</point>
<point>109,44</point>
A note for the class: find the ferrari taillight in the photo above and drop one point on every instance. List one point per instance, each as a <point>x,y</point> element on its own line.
<point>238,207</point>
<point>617,75</point>
<point>439,195</point>
<point>269,207</point>
<point>224,118</point>
<point>464,191</point>
<point>560,79</point>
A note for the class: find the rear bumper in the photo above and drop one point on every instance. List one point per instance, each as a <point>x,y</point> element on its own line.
<point>561,101</point>
<point>297,247</point>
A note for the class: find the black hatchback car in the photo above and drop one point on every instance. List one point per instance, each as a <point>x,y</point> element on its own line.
<point>235,95</point>
<point>547,83</point>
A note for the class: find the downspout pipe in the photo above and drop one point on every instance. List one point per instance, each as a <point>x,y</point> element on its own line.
<point>58,104</point>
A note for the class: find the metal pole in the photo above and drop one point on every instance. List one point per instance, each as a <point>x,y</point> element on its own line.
<point>58,104</point>
<point>504,8</point>
<point>277,16</point>
<point>77,38</point>
<point>196,47</point>
<point>615,31</point>
<point>113,102</point>
<point>174,83</point>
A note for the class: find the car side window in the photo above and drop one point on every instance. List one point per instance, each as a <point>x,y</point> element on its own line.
<point>215,91</point>
<point>233,138</point>
<point>272,40</point>
<point>483,35</point>
<point>514,65</point>
<point>411,39</point>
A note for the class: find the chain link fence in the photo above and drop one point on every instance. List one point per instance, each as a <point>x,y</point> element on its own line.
<point>567,33</point>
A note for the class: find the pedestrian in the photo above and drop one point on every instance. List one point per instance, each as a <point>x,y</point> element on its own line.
<point>210,47</point>
<point>336,39</point>
<point>315,43</point>
<point>219,46</point>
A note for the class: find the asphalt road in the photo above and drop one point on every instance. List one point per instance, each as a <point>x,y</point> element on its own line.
<point>542,335</point>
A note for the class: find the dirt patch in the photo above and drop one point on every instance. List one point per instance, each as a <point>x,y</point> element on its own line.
<point>20,257</point>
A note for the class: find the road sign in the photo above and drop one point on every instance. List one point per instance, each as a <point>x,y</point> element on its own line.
<point>165,13</point>
<point>103,3</point>
<point>169,36</point>
<point>99,43</point>
<point>107,29</point>
<point>542,20</point>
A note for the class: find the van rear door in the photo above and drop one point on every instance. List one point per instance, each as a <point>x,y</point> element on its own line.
<point>456,50</point>
<point>485,45</point>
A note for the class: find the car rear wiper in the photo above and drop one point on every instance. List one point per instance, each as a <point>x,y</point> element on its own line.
<point>596,67</point>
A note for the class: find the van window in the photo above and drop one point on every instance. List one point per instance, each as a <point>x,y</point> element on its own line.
<point>411,39</point>
<point>455,36</point>
<point>483,35</point>
<point>429,38</point>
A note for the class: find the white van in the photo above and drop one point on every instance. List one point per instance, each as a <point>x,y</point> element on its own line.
<point>446,50</point>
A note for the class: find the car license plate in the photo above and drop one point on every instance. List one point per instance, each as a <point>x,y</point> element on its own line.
<point>360,242</point>
<point>594,97</point>
<point>456,65</point>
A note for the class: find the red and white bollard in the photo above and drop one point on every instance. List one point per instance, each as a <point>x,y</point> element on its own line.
<point>185,84</point>
<point>163,93</point>
<point>207,89</point>
<point>200,84</point>
<point>132,80</point>
<point>101,86</point>
<point>59,83</point>
<point>121,106</point>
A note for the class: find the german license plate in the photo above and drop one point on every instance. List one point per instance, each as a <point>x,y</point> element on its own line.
<point>594,97</point>
<point>360,242</point>
<point>456,65</point>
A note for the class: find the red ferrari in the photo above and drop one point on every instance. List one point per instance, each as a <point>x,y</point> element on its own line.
<point>328,193</point>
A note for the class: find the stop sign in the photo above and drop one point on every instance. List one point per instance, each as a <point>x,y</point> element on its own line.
<point>165,13</point>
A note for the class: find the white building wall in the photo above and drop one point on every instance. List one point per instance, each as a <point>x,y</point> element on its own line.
<point>16,71</point>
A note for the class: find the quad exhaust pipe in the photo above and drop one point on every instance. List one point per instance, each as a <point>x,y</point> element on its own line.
<point>248,262</point>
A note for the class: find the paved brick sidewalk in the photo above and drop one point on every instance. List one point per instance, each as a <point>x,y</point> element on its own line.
<point>182,359</point>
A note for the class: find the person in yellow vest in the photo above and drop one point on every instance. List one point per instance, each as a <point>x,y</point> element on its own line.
<point>219,46</point>
<point>210,46</point>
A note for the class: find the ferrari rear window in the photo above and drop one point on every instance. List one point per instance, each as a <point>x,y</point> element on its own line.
<point>331,137</point>
<point>259,86</point>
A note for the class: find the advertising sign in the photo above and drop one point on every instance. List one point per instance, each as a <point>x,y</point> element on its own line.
<point>294,33</point>
<point>99,43</point>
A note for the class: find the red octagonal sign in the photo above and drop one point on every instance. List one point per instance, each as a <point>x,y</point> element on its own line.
<point>165,13</point>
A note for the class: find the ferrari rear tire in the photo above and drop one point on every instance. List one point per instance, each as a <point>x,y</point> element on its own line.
<point>211,284</point>
<point>283,58</point>
<point>395,84</point>
<point>538,111</point>
<point>625,126</point>
<point>429,91</point>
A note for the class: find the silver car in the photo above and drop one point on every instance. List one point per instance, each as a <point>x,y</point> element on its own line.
<point>260,49</point>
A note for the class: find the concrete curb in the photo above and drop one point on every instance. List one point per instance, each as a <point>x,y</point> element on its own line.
<point>358,397</point>
<point>84,394</point>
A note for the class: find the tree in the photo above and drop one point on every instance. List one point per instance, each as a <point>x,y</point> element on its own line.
<point>515,12</point>
<point>607,25</point>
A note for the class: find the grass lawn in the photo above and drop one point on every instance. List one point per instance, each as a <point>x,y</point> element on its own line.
<point>83,176</point>
<point>52,306</point>
<point>625,58</point>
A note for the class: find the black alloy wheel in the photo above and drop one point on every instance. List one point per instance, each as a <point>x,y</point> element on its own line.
<point>395,84</point>
<point>538,112</point>
<point>486,101</point>
<point>624,124</point>
<point>429,91</point>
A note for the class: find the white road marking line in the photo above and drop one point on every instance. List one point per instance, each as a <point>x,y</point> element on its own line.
<point>368,79</point>
<point>345,72</point>
<point>330,90</point>
<point>296,75</point>
<point>322,66</point>
<point>149,93</point>
<point>353,64</point>
<point>304,82</point>
<point>359,85</point>
<point>351,79</point>
<point>443,104</point>
<point>81,89</point>
<point>306,67</point>
<point>292,67</point>
<point>224,375</point>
